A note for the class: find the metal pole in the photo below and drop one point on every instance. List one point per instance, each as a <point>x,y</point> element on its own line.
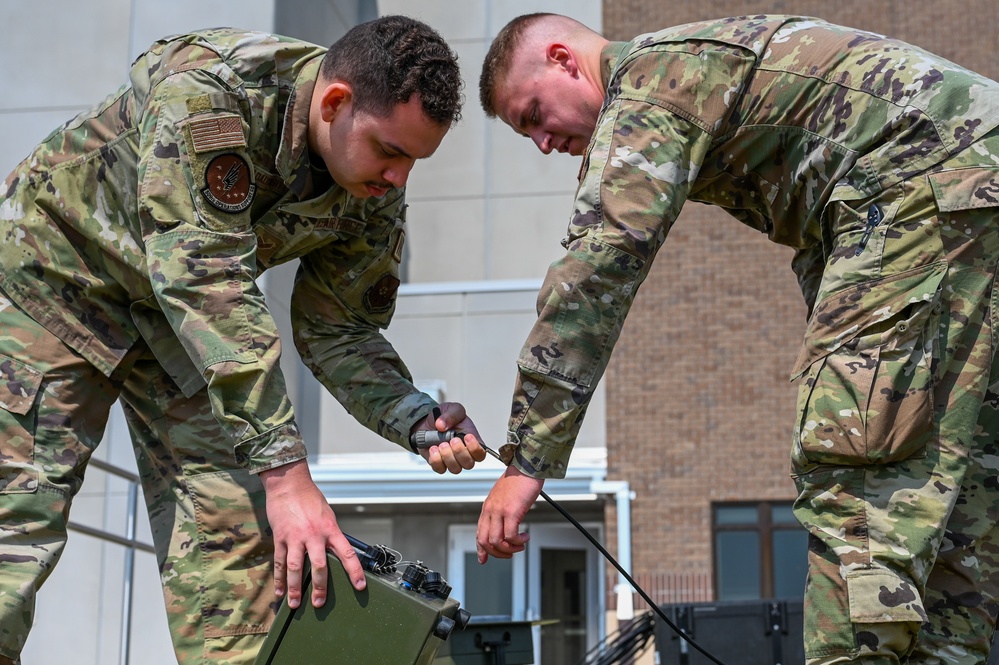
<point>128,575</point>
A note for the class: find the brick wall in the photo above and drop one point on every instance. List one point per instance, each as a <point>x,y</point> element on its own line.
<point>699,404</point>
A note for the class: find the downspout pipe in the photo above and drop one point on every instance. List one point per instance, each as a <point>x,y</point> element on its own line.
<point>623,496</point>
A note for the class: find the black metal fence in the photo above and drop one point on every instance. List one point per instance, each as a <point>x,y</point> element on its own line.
<point>755,632</point>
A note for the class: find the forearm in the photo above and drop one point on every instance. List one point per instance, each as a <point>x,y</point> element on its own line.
<point>365,374</point>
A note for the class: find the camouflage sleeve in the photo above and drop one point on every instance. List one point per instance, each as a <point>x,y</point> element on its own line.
<point>345,293</point>
<point>808,264</point>
<point>195,192</point>
<point>641,163</point>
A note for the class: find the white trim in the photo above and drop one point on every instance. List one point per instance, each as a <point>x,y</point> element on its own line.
<point>488,286</point>
<point>386,478</point>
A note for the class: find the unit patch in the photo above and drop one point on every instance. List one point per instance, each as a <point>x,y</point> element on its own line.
<point>378,297</point>
<point>227,183</point>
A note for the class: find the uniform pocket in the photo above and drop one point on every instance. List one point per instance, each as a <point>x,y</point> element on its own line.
<point>19,386</point>
<point>236,569</point>
<point>868,393</point>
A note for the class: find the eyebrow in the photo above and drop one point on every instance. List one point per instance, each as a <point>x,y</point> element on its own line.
<point>396,148</point>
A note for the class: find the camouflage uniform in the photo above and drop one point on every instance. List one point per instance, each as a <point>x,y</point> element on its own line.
<point>131,242</point>
<point>879,164</point>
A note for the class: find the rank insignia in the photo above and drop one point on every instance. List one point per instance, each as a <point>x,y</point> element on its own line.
<point>378,298</point>
<point>227,183</point>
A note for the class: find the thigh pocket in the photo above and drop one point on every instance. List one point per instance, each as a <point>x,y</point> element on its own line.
<point>868,393</point>
<point>19,386</point>
<point>236,575</point>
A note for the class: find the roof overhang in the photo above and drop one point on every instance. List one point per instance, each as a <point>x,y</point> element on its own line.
<point>387,478</point>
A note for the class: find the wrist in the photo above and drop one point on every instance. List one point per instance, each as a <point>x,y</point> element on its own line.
<point>286,475</point>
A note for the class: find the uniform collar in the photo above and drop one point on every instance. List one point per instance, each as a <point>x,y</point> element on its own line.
<point>292,160</point>
<point>610,55</point>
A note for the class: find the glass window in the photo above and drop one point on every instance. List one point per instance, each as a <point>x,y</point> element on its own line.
<point>782,514</point>
<point>760,551</point>
<point>738,565</point>
<point>736,515</point>
<point>790,562</point>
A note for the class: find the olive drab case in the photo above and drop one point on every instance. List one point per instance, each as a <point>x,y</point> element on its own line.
<point>402,617</point>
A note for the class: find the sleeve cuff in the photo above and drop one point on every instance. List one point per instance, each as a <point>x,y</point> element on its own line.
<point>274,448</point>
<point>538,459</point>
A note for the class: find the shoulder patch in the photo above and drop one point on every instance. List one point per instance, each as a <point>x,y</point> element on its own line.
<point>228,185</point>
<point>217,132</point>
<point>378,297</point>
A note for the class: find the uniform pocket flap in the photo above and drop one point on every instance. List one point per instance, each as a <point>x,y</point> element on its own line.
<point>843,315</point>
<point>963,189</point>
<point>19,385</point>
<point>879,596</point>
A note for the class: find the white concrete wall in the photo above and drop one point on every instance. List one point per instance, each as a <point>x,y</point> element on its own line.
<point>467,342</point>
<point>57,58</point>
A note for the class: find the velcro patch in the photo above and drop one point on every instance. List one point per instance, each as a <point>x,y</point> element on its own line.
<point>379,297</point>
<point>228,184</point>
<point>217,132</point>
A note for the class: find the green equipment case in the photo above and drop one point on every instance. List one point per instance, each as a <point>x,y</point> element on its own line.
<point>401,618</point>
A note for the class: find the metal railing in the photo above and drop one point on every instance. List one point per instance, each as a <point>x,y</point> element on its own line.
<point>128,541</point>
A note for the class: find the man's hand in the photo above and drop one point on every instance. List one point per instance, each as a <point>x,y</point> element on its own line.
<point>509,500</point>
<point>456,454</point>
<point>303,523</point>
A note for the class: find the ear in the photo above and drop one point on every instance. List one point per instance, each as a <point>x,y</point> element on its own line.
<point>560,55</point>
<point>334,97</point>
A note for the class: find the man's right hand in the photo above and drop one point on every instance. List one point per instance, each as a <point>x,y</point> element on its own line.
<point>457,454</point>
<point>503,511</point>
<point>304,524</point>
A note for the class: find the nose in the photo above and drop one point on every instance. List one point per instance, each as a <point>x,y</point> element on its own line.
<point>398,174</point>
<point>543,140</point>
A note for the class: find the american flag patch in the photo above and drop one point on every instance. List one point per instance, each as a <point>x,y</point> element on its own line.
<point>217,132</point>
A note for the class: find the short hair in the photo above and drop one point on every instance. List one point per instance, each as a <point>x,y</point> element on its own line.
<point>500,56</point>
<point>388,60</point>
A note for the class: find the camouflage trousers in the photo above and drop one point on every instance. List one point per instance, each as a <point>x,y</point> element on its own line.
<point>896,453</point>
<point>209,527</point>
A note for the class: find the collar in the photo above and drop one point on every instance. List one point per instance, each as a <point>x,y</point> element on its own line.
<point>292,161</point>
<point>610,55</point>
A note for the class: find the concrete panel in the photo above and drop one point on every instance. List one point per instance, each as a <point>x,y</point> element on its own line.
<point>456,20</point>
<point>445,241</point>
<point>158,18</point>
<point>150,643</point>
<point>457,168</point>
<point>66,54</point>
<point>526,233</point>
<point>473,352</point>
<point>501,12</point>
<point>321,21</point>
<point>503,302</point>
<point>516,166</point>
<point>491,345</point>
<point>410,306</point>
<point>340,433</point>
<point>431,346</point>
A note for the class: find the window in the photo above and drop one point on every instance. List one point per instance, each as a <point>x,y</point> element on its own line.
<point>760,551</point>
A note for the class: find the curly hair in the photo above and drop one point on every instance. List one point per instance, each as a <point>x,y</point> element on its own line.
<point>387,60</point>
<point>500,56</point>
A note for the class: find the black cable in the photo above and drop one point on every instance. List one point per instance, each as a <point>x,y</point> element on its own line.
<point>623,645</point>
<point>426,438</point>
<point>633,583</point>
